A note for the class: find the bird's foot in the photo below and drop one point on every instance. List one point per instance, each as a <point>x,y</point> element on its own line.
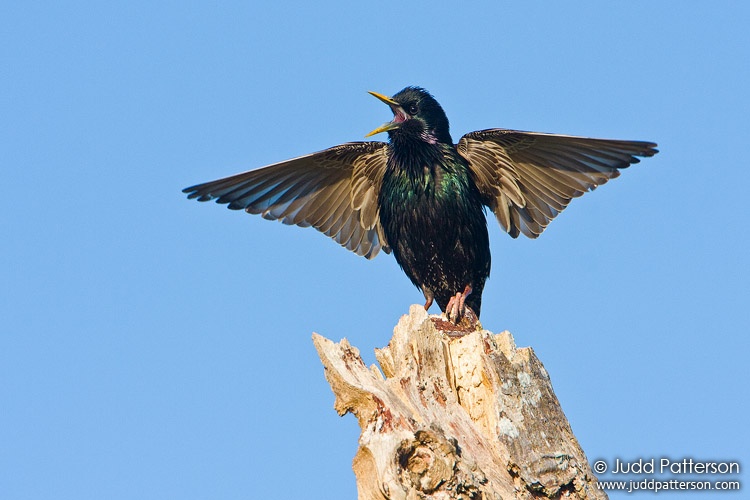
<point>458,327</point>
<point>457,309</point>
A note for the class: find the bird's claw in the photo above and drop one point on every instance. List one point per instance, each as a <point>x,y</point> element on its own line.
<point>456,308</point>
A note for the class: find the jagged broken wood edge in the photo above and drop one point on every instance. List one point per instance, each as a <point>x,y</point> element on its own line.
<point>455,417</point>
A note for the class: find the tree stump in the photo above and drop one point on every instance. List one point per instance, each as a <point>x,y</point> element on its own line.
<point>464,417</point>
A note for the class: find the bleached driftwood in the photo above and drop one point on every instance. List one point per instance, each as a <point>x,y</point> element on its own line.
<point>465,417</point>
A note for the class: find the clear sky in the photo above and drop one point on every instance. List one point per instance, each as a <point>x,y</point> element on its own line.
<point>153,347</point>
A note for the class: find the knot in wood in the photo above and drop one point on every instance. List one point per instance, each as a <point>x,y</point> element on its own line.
<point>427,461</point>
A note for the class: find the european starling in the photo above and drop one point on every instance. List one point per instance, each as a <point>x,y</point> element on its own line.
<point>422,197</point>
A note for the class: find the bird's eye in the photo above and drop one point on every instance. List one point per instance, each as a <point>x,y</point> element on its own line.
<point>413,109</point>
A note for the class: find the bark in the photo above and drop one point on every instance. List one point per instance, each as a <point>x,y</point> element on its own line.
<point>466,416</point>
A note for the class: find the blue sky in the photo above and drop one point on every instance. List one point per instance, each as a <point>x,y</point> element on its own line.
<point>154,347</point>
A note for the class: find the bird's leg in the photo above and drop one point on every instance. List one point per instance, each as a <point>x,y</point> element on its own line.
<point>457,305</point>
<point>429,297</point>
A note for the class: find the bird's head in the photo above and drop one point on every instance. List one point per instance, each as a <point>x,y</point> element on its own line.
<point>416,116</point>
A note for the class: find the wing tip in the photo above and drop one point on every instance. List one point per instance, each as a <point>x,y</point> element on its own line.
<point>191,191</point>
<point>200,196</point>
<point>652,149</point>
<point>194,192</point>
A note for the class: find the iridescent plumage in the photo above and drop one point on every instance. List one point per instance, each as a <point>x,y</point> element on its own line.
<point>423,197</point>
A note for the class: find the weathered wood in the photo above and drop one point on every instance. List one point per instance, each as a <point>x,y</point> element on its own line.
<point>469,417</point>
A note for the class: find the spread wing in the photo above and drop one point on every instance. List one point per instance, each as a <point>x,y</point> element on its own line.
<point>335,191</point>
<point>527,178</point>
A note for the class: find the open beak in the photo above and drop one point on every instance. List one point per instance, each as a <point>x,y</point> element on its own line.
<point>398,115</point>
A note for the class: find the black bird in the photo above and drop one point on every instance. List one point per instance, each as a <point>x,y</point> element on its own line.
<point>423,197</point>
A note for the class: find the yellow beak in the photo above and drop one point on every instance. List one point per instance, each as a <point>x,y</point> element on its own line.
<point>384,98</point>
<point>394,106</point>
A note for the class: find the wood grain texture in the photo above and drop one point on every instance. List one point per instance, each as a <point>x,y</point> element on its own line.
<point>464,417</point>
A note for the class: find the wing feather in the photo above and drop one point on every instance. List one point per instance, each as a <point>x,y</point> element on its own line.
<point>334,191</point>
<point>528,178</point>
